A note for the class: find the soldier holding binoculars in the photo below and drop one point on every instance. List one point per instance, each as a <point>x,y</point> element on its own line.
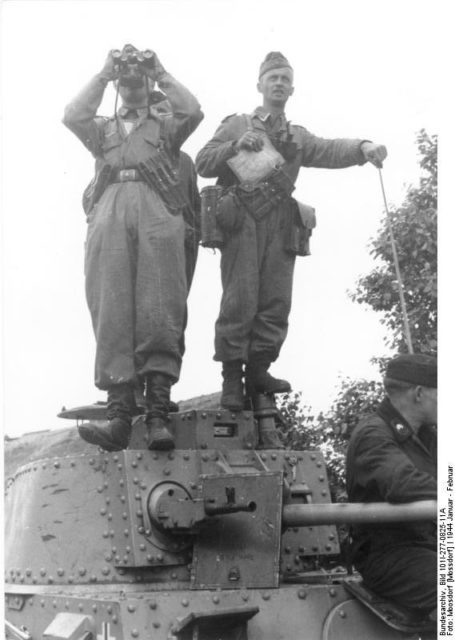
<point>136,282</point>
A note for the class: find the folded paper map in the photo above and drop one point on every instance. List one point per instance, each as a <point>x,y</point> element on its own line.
<point>252,166</point>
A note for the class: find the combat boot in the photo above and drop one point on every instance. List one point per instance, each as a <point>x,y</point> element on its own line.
<point>115,435</point>
<point>232,396</point>
<point>259,380</point>
<point>158,405</point>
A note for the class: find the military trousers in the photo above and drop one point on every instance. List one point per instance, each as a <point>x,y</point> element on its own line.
<point>256,274</point>
<point>406,574</point>
<point>136,285</point>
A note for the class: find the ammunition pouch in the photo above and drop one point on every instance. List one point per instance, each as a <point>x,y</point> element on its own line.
<point>159,173</point>
<point>96,188</point>
<point>260,198</point>
<point>299,228</point>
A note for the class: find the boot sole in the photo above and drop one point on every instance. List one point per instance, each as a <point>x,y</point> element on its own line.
<point>100,439</point>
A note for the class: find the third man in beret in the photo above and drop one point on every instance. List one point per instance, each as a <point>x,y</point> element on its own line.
<point>265,229</point>
<point>392,458</point>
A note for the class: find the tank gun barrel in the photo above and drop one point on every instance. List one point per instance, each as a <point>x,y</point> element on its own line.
<point>304,515</point>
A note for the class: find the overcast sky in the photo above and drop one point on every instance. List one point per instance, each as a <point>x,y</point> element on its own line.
<point>362,69</point>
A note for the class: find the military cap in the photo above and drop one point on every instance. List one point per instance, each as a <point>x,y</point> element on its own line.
<point>416,368</point>
<point>273,60</point>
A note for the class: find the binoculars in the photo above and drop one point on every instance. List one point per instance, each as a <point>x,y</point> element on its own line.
<point>130,63</point>
<point>125,58</point>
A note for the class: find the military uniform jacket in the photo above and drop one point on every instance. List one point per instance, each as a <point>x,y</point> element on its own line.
<point>312,151</point>
<point>388,462</point>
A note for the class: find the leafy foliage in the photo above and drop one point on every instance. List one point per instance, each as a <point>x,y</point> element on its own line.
<point>414,226</point>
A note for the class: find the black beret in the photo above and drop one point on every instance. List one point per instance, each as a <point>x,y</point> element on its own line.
<point>414,368</point>
<point>273,60</point>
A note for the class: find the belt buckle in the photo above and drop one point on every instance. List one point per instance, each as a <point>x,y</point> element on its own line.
<point>127,174</point>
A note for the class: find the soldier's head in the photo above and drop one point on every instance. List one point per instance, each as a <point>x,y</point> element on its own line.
<point>411,383</point>
<point>133,85</point>
<point>276,80</point>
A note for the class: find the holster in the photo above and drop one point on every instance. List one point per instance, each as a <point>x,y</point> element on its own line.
<point>96,188</point>
<point>161,176</point>
<point>299,228</point>
<point>260,198</point>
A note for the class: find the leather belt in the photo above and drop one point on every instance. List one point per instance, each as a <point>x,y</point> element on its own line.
<point>126,175</point>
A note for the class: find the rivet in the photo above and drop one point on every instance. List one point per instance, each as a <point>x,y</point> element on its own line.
<point>301,594</point>
<point>331,537</point>
<point>152,604</point>
<point>147,532</point>
<point>82,571</point>
<point>60,572</point>
<point>80,606</point>
<point>139,513</point>
<point>109,516</point>
<point>106,571</point>
<point>91,461</point>
<point>131,608</point>
<point>54,603</point>
<point>125,559</point>
<point>139,455</point>
<point>117,559</point>
<point>159,557</point>
<point>106,485</point>
<point>93,578</point>
<point>174,576</point>
<point>193,485</point>
<point>157,624</point>
<point>137,496</point>
<point>328,547</point>
<point>57,465</point>
<point>121,482</point>
<point>143,485</point>
<point>218,416</point>
<point>120,467</point>
<point>315,548</point>
<point>134,464</point>
<point>108,557</point>
<point>266,596</point>
<point>287,456</point>
<point>297,559</point>
<point>203,445</point>
<point>122,499</point>
<point>342,613</point>
<point>149,557</point>
<point>321,478</point>
<point>185,602</point>
<point>319,464</point>
<point>121,571</point>
<point>99,489</point>
<point>288,567</point>
<point>42,572</point>
<point>126,532</point>
<point>135,633</point>
<point>204,415</point>
<point>108,500</point>
<point>295,529</point>
<point>112,533</point>
<point>216,599</point>
<point>332,592</point>
<point>115,458</point>
<point>155,456</point>
<point>323,493</point>
<point>28,572</point>
<point>71,579</point>
<point>125,516</point>
<point>301,548</point>
<point>167,472</point>
<point>287,549</point>
<point>171,456</point>
<point>94,608</point>
<point>244,597</point>
<point>42,603</point>
<point>186,456</point>
<point>105,534</point>
<point>263,456</point>
<point>114,619</point>
<point>205,457</point>
<point>67,605</point>
<point>135,480</point>
<point>72,463</point>
<point>109,609</point>
<point>249,445</point>
<point>103,511</point>
<point>313,457</point>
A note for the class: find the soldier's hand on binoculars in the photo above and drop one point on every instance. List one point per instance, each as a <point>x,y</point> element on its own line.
<point>251,141</point>
<point>151,64</point>
<point>110,70</point>
<point>374,153</point>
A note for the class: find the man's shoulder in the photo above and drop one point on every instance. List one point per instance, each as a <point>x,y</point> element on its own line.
<point>232,117</point>
<point>370,425</point>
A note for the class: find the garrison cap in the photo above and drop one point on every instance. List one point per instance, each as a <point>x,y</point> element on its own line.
<point>416,368</point>
<point>273,60</point>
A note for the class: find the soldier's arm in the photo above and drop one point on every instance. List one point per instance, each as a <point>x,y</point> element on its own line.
<point>80,114</point>
<point>211,159</point>
<point>186,110</point>
<point>336,153</point>
<point>379,462</point>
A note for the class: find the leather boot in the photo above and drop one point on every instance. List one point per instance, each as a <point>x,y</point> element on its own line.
<point>115,435</point>
<point>158,401</point>
<point>232,393</point>
<point>259,380</point>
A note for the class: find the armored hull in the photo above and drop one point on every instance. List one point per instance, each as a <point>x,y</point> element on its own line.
<point>215,540</point>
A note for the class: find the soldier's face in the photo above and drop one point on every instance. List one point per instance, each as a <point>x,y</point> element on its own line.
<point>276,85</point>
<point>429,405</point>
<point>136,96</point>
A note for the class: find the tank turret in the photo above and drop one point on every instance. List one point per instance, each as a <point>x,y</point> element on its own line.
<point>216,539</point>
